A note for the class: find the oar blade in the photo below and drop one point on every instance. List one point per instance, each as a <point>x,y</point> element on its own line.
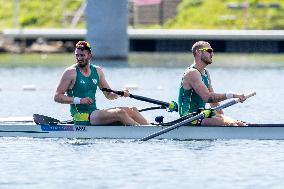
<point>44,120</point>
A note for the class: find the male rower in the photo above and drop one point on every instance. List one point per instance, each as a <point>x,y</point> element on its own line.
<point>78,86</point>
<point>196,89</point>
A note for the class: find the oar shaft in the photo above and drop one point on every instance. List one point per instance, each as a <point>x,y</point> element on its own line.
<point>146,99</point>
<point>137,97</point>
<point>152,108</point>
<point>199,116</point>
<point>163,131</point>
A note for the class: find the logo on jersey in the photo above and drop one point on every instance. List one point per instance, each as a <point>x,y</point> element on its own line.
<point>95,81</point>
<point>82,82</point>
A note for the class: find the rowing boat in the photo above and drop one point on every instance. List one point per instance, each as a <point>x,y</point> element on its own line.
<point>30,129</point>
<point>47,127</point>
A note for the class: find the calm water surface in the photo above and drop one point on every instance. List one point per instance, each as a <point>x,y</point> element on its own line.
<point>67,163</point>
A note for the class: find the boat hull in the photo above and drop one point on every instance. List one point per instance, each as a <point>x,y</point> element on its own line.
<point>252,132</point>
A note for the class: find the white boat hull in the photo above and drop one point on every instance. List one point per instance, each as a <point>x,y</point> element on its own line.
<point>255,132</point>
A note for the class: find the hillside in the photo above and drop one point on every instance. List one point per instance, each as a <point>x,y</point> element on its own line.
<point>193,14</point>
<point>229,14</point>
<point>38,13</point>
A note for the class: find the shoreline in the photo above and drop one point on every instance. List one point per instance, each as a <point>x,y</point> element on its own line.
<point>226,60</point>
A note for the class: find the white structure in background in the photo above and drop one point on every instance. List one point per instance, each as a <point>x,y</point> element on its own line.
<point>107,23</point>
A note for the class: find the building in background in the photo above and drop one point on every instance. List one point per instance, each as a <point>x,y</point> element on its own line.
<point>151,12</point>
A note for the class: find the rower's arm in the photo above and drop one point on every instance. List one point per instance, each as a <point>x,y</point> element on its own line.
<point>211,90</point>
<point>104,84</point>
<point>195,81</point>
<point>64,84</point>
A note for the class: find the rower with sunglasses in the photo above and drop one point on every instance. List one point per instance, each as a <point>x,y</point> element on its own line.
<point>196,89</point>
<point>78,87</point>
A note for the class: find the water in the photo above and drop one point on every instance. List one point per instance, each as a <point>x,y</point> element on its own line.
<point>72,163</point>
<point>50,163</point>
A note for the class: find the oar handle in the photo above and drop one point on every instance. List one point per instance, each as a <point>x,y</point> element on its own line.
<point>172,105</point>
<point>233,101</point>
<point>121,93</point>
<point>250,94</point>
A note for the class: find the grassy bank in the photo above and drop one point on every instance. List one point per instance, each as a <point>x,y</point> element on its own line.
<point>38,13</point>
<point>227,14</point>
<point>192,14</point>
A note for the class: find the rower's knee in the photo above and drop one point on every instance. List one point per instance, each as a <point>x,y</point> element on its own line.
<point>121,113</point>
<point>131,109</point>
<point>134,109</point>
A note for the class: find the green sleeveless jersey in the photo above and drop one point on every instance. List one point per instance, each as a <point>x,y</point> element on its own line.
<point>84,87</point>
<point>189,101</point>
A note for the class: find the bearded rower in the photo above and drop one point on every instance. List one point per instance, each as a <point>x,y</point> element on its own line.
<point>196,89</point>
<point>78,87</point>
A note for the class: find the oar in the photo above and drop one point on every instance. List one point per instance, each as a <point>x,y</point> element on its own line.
<point>45,120</point>
<point>201,115</point>
<point>172,106</point>
<point>152,108</point>
<point>16,119</point>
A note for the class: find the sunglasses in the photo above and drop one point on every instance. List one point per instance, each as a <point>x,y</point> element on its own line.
<point>209,50</point>
<point>82,44</point>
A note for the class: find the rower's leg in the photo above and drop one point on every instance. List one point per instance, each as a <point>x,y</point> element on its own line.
<point>222,120</point>
<point>135,115</point>
<point>213,121</point>
<point>109,116</point>
<point>232,122</point>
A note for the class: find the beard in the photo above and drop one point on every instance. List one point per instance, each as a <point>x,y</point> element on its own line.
<point>82,64</point>
<point>206,60</point>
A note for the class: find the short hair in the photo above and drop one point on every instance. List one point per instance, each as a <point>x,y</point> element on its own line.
<point>83,45</point>
<point>198,45</point>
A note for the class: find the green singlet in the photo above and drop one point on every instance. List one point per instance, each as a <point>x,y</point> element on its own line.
<point>189,101</point>
<point>84,87</point>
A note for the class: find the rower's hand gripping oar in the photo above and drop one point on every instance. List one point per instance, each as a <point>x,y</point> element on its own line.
<point>171,106</point>
<point>201,115</point>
